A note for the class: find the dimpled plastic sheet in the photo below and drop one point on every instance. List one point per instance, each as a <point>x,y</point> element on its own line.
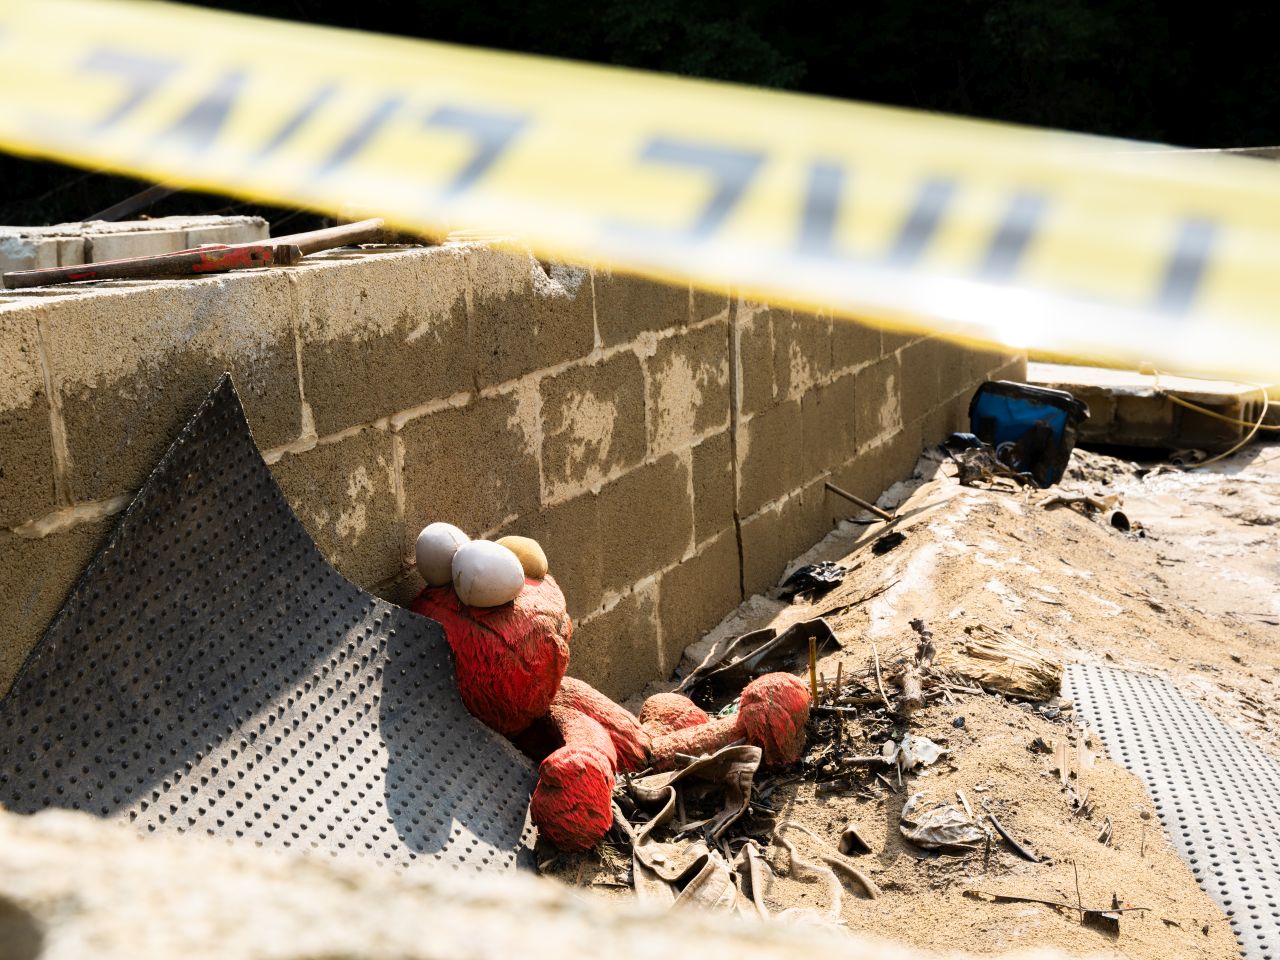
<point>1218,795</point>
<point>211,673</point>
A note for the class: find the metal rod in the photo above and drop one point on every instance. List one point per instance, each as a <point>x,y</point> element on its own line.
<point>347,234</point>
<point>131,205</point>
<point>870,507</point>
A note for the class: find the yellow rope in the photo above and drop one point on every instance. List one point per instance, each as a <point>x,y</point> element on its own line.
<point>1254,426</point>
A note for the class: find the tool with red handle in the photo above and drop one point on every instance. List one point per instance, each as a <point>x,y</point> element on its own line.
<point>214,258</point>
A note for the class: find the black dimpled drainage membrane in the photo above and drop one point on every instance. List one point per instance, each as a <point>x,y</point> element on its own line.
<point>211,673</point>
<point>1217,794</point>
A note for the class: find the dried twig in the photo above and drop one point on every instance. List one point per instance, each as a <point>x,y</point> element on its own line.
<point>1104,835</point>
<point>912,690</point>
<point>879,682</point>
<point>1079,901</point>
<point>829,710</point>
<point>1018,848</point>
<point>1015,898</point>
<point>813,668</point>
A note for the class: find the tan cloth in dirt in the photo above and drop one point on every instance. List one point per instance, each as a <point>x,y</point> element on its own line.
<point>690,871</point>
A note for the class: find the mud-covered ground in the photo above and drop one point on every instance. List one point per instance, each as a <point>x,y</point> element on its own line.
<point>1188,593</point>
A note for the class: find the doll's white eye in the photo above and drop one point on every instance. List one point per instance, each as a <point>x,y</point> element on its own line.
<point>435,547</point>
<point>486,574</point>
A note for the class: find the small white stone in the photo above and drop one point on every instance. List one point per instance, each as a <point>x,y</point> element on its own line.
<point>435,547</point>
<point>486,574</point>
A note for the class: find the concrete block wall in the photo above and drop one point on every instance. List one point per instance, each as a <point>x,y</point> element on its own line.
<point>667,446</point>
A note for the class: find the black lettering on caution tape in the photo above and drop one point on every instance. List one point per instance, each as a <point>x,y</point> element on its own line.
<point>922,223</point>
<point>493,133</point>
<point>1013,236</point>
<point>299,119</point>
<point>821,210</point>
<point>1187,265</point>
<point>364,131</point>
<point>145,74</point>
<point>731,173</point>
<point>200,125</point>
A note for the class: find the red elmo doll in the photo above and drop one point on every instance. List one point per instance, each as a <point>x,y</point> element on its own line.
<point>506,622</point>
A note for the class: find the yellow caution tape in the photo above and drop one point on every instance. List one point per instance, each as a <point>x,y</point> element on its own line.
<point>1064,244</point>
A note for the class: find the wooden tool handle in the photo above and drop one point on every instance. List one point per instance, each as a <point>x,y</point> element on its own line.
<point>347,234</point>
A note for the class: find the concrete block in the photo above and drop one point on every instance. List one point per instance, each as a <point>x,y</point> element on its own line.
<point>140,243</point>
<point>919,365</point>
<point>382,333</point>
<point>830,417</point>
<point>132,365</point>
<point>874,470</point>
<point>627,306</point>
<point>687,382</point>
<point>1102,411</point>
<point>935,426</point>
<point>21,252</point>
<point>1198,430</point>
<point>345,495</point>
<point>228,230</point>
<point>569,534</point>
<point>983,365</point>
<point>1139,416</point>
<point>771,456</point>
<point>646,521</point>
<point>713,492</point>
<point>524,319</point>
<point>957,414</point>
<point>71,251</point>
<point>897,454</point>
<point>758,382</point>
<point>801,351</point>
<point>892,340</point>
<point>474,466</point>
<point>696,595</point>
<point>38,575</point>
<point>593,424</point>
<point>401,589</point>
<point>854,343</point>
<point>772,537</point>
<point>1012,368</point>
<point>26,443</point>
<point>879,393</point>
<point>953,368</point>
<point>707,304</point>
<point>617,651</point>
<point>863,476</point>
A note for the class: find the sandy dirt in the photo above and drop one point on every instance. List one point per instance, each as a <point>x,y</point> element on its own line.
<point>1186,594</point>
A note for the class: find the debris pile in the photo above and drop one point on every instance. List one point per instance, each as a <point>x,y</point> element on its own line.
<point>946,780</point>
<point>506,621</point>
